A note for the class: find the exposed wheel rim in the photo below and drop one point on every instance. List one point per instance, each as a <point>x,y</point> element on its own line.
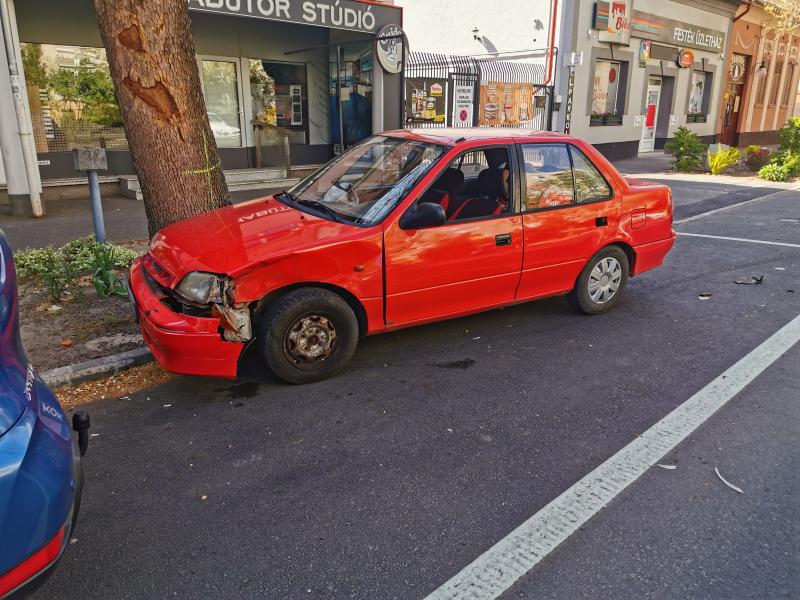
<point>310,340</point>
<point>604,280</point>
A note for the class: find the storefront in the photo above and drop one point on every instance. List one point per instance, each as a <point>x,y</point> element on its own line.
<point>268,71</point>
<point>636,70</point>
<point>761,79</point>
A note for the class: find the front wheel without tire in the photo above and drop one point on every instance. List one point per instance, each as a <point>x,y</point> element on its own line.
<point>600,284</point>
<point>307,335</point>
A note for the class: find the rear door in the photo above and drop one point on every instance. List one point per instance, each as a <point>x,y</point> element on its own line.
<point>462,266</point>
<point>569,211</point>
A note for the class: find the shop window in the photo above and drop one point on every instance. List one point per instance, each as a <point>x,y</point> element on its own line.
<point>221,92</point>
<point>776,81</point>
<point>279,98</point>
<point>607,94</point>
<point>698,97</point>
<point>787,84</point>
<point>548,176</point>
<point>72,98</point>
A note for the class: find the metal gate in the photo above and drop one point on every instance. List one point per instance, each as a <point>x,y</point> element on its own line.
<point>507,90</point>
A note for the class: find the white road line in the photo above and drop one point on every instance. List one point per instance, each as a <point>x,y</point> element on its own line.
<point>737,205</point>
<point>497,569</point>
<point>735,239</point>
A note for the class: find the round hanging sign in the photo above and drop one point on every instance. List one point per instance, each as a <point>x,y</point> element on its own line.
<point>390,48</point>
<point>685,59</point>
<point>737,68</point>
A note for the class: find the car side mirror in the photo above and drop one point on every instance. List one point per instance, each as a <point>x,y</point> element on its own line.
<point>426,214</point>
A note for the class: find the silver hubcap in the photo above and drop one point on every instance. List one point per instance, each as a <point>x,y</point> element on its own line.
<point>310,339</point>
<point>604,280</point>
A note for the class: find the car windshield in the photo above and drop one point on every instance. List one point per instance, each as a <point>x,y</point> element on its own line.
<point>365,183</point>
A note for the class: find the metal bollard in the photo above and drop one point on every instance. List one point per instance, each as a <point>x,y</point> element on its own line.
<point>92,160</point>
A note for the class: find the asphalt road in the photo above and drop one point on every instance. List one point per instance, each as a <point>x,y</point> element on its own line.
<point>438,441</point>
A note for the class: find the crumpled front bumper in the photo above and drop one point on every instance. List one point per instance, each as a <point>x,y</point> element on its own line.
<point>181,343</point>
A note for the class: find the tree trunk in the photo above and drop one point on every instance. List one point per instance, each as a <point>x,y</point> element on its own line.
<point>151,57</point>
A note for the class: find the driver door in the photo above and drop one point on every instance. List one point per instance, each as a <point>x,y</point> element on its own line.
<point>463,266</point>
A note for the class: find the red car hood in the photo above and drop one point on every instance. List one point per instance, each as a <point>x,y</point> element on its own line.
<point>230,240</point>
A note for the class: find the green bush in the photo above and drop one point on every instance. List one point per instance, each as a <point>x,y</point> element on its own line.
<point>773,172</point>
<point>790,136</point>
<point>686,148</point>
<point>105,279</point>
<point>56,268</point>
<point>79,254</point>
<point>722,159</point>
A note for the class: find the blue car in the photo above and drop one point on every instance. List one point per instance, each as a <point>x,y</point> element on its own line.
<point>40,458</point>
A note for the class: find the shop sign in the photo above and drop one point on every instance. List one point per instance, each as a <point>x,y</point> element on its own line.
<point>570,94</point>
<point>463,105</point>
<point>337,14</point>
<point>685,59</point>
<point>616,15</point>
<point>638,120</point>
<point>390,48</point>
<point>737,68</point>
<point>660,29</point>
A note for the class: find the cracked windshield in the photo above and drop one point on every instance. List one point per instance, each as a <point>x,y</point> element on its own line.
<point>368,180</point>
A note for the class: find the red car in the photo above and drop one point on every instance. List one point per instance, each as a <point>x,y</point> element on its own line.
<point>407,227</point>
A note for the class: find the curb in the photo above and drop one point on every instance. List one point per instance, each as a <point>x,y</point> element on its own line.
<point>96,368</point>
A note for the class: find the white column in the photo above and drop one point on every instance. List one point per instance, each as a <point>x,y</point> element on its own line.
<point>13,61</point>
<point>754,82</point>
<point>10,146</point>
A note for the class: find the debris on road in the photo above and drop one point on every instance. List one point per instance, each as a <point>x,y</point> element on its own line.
<point>66,343</point>
<point>778,268</point>
<point>122,384</point>
<point>750,280</point>
<point>704,296</point>
<point>726,482</point>
<point>670,467</point>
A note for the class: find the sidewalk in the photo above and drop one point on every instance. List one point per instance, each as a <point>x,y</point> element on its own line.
<point>67,220</point>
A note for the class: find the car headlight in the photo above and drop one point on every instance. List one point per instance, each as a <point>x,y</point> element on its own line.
<point>202,288</point>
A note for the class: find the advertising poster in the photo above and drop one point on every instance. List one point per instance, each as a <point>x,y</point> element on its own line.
<point>506,104</point>
<point>426,100</point>
<point>463,103</point>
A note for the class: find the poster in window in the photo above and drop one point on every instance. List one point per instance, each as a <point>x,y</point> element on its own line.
<point>506,104</point>
<point>604,88</point>
<point>696,93</point>
<point>426,100</point>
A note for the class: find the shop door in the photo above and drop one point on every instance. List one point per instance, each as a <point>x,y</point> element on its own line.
<point>732,100</point>
<point>222,92</point>
<point>647,143</point>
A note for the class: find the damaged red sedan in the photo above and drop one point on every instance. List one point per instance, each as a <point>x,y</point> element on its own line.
<point>407,227</point>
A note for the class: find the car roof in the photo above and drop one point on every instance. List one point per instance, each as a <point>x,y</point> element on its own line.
<point>455,135</point>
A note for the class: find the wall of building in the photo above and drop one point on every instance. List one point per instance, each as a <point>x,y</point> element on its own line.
<point>446,25</point>
<point>760,121</point>
<point>623,139</point>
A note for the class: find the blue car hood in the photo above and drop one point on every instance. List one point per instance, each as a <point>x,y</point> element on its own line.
<point>16,379</point>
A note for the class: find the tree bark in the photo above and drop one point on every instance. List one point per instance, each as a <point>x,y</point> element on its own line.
<point>152,61</point>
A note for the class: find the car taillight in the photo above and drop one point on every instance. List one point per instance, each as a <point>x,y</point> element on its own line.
<point>33,565</point>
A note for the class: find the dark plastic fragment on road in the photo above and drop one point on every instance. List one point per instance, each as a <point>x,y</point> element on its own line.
<point>464,363</point>
<point>750,280</point>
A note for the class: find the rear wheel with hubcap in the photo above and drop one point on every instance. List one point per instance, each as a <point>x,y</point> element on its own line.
<point>308,334</point>
<point>600,284</point>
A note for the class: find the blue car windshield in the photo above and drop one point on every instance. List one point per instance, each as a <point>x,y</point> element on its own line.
<point>365,183</point>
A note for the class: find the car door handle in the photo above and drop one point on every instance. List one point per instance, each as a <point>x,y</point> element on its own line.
<point>504,239</point>
<point>601,221</point>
